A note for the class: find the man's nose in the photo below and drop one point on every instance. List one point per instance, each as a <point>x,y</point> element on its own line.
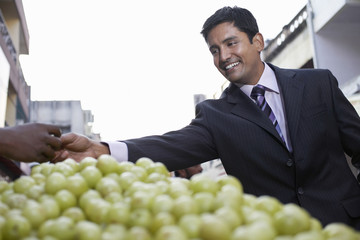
<point>224,55</point>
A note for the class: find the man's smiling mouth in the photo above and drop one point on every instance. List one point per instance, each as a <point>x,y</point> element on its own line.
<point>232,65</point>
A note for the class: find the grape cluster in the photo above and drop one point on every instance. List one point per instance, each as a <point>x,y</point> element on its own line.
<point>101,199</point>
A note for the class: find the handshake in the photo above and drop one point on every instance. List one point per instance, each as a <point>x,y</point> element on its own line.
<point>36,142</point>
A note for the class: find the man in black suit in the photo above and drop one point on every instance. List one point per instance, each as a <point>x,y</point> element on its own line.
<point>298,156</point>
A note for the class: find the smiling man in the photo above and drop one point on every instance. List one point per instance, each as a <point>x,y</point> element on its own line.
<point>281,132</point>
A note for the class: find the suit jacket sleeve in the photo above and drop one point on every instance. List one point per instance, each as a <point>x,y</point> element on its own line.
<point>179,149</point>
<point>348,122</point>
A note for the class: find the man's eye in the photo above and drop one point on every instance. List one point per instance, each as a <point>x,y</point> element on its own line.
<point>214,51</point>
<point>231,44</point>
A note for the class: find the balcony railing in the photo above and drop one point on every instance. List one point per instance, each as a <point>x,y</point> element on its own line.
<point>7,39</point>
<point>274,46</point>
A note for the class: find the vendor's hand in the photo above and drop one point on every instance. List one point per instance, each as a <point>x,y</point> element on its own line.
<point>32,142</point>
<point>78,147</point>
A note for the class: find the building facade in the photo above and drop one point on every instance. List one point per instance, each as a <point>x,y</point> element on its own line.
<point>322,37</point>
<point>14,91</point>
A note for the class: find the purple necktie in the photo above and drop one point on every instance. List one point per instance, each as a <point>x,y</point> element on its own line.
<point>258,94</point>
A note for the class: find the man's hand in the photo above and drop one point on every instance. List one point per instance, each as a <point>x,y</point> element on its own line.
<point>78,147</point>
<point>33,142</point>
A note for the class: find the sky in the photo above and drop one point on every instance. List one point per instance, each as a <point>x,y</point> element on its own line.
<point>135,64</point>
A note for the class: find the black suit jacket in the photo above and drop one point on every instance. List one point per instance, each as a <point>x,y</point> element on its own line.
<point>322,124</point>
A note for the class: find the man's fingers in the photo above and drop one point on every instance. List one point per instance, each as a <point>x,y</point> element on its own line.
<point>54,142</point>
<point>67,138</point>
<point>48,152</point>
<point>54,130</point>
<point>60,156</point>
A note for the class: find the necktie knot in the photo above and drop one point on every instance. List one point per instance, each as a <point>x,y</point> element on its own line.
<point>257,91</point>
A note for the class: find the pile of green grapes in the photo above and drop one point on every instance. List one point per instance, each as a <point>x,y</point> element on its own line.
<point>101,199</point>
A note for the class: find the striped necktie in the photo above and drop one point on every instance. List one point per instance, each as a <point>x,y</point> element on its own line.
<point>258,94</point>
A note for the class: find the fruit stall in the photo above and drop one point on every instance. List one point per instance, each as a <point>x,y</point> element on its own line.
<point>101,199</point>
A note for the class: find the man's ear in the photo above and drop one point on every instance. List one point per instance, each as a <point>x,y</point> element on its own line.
<point>258,41</point>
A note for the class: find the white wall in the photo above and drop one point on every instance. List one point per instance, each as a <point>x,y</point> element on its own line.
<point>4,83</point>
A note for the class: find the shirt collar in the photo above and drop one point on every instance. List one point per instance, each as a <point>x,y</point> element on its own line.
<point>267,79</point>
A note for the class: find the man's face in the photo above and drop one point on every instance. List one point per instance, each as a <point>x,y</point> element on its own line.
<point>234,56</point>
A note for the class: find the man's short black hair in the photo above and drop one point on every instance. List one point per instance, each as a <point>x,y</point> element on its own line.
<point>241,17</point>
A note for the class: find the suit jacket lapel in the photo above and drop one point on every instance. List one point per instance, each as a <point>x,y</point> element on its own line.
<point>247,109</point>
<point>291,90</point>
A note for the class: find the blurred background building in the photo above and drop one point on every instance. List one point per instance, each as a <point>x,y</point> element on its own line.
<point>324,34</point>
<point>15,102</point>
<point>68,115</point>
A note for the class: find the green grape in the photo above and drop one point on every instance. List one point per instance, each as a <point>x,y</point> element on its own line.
<point>114,231</point>
<point>161,219</point>
<point>292,219</point>
<point>114,197</point>
<point>86,230</point>
<point>141,199</point>
<point>4,209</point>
<point>16,200</point>
<point>87,196</point>
<point>126,179</point>
<point>170,232</point>
<point>144,162</point>
<point>46,168</point>
<point>3,185</point>
<point>92,175</point>
<point>159,168</point>
<point>107,185</point>
<point>76,184</point>
<point>63,228</point>
<point>124,167</point>
<point>63,168</point>
<point>97,210</point>
<point>213,228</point>
<point>75,213</point>
<point>119,213</point>
<point>140,172</point>
<point>140,217</point>
<point>54,182</point>
<point>204,201</point>
<point>39,178</point>
<point>52,208</point>
<point>162,203</point>
<point>22,184</point>
<point>138,233</point>
<point>229,216</point>
<point>203,183</point>
<point>190,224</point>
<point>339,231</point>
<point>107,164</point>
<point>73,164</point>
<point>184,205</point>
<point>15,227</point>
<point>34,212</point>
<point>229,180</point>
<point>65,199</point>
<point>87,161</point>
